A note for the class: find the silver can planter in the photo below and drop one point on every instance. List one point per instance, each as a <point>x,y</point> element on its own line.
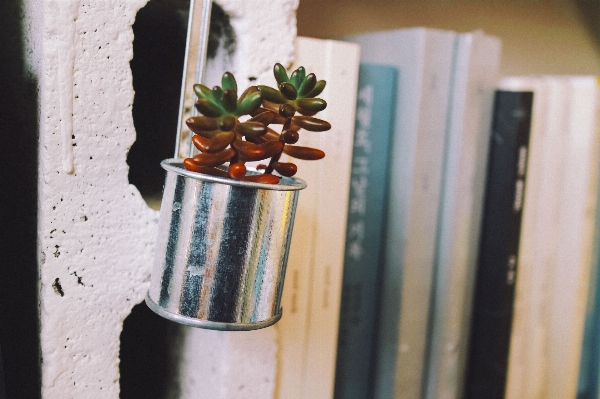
<point>221,250</point>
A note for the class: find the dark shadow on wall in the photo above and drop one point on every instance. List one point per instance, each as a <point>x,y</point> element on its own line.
<point>147,365</point>
<point>157,67</point>
<point>18,211</point>
<point>160,31</point>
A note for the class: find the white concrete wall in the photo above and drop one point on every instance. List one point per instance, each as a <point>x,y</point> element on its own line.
<point>96,234</point>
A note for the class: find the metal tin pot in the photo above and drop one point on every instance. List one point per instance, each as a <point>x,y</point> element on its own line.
<point>221,250</point>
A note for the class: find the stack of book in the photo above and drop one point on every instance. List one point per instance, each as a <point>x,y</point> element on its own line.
<point>447,249</point>
<point>436,173</point>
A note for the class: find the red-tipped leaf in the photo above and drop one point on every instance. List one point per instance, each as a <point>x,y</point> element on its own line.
<point>306,153</point>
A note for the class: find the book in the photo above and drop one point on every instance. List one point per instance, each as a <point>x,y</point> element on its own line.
<point>556,240</point>
<point>363,256</point>
<point>589,369</point>
<point>308,329</point>
<point>474,78</point>
<point>499,245</point>
<point>549,308</point>
<point>424,59</point>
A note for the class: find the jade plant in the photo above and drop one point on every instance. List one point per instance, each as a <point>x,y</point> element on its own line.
<point>221,137</point>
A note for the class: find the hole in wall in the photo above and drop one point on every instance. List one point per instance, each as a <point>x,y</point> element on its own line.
<point>160,31</point>
<point>147,361</point>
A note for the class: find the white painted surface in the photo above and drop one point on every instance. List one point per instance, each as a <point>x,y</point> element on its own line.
<point>96,234</point>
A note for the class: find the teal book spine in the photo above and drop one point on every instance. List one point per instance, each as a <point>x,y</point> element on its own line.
<point>363,257</point>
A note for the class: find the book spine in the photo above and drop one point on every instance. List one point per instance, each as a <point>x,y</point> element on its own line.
<point>311,297</point>
<point>497,261</point>
<point>589,372</point>
<point>477,58</point>
<point>364,231</point>
<point>340,69</point>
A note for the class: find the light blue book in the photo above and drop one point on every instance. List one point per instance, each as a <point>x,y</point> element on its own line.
<point>364,234</point>
<point>589,373</point>
<point>424,60</point>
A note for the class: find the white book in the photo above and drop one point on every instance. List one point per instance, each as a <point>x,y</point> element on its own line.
<point>311,297</point>
<point>474,79</point>
<point>555,253</point>
<point>576,234</point>
<point>424,59</point>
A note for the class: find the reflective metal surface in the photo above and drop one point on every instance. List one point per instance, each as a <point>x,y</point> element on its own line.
<point>221,250</point>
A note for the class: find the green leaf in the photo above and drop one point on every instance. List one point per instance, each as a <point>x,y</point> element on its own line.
<point>229,100</point>
<point>311,124</point>
<point>202,92</point>
<point>228,82</point>
<point>251,129</point>
<point>217,95</point>
<point>272,95</point>
<point>280,74</point>
<point>317,89</point>
<point>208,108</point>
<point>297,77</point>
<point>288,91</point>
<point>307,85</point>
<point>249,101</point>
<point>312,105</point>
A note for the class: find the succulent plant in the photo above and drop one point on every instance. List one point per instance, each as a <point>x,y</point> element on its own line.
<point>221,137</point>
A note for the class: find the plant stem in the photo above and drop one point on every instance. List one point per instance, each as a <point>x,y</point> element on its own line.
<point>275,158</point>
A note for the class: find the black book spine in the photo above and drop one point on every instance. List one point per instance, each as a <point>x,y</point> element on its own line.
<point>487,364</point>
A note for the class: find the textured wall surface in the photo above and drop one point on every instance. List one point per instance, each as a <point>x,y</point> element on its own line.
<point>95,232</point>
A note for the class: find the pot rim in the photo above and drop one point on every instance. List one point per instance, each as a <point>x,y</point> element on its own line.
<point>286,184</point>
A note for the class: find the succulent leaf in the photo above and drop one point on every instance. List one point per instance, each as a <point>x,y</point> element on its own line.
<point>271,135</point>
<point>251,129</point>
<point>236,170</point>
<point>290,136</point>
<point>272,148</point>
<point>201,123</point>
<point>307,85</point>
<point>249,101</point>
<point>272,95</point>
<point>208,108</point>
<point>288,91</point>
<point>311,124</point>
<point>287,169</point>
<point>306,153</point>
<point>297,77</point>
<point>217,95</point>
<point>227,123</point>
<point>202,91</point>
<point>280,74</point>
<point>190,164</point>
<point>311,104</point>
<point>287,110</point>
<point>215,159</point>
<point>249,151</point>
<point>265,117</point>
<point>229,100</point>
<point>228,82</point>
<point>215,144</point>
<point>318,89</point>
